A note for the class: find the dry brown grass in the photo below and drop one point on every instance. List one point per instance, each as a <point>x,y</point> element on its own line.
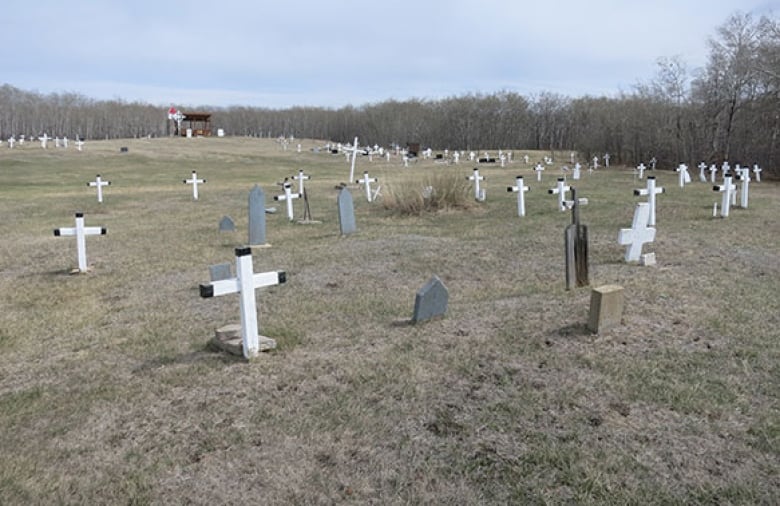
<point>109,394</point>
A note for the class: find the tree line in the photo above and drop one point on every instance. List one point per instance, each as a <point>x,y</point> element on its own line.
<point>727,110</point>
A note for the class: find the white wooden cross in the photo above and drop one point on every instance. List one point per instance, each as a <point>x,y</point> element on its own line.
<point>245,283</point>
<point>79,143</point>
<point>44,140</point>
<point>757,171</point>
<point>539,168</point>
<point>65,142</point>
<point>595,162</point>
<point>367,182</point>
<point>56,141</point>
<point>11,142</point>
<point>575,174</point>
<point>702,168</point>
<point>744,184</point>
<point>80,231</point>
<point>727,189</point>
<point>526,158</point>
<point>479,195</point>
<point>713,172</point>
<point>99,184</point>
<point>641,168</point>
<point>456,157</point>
<point>606,160</point>
<point>520,189</point>
<point>288,198</point>
<point>684,178</point>
<point>194,181</point>
<point>472,156</point>
<point>301,177</point>
<point>650,192</point>
<point>725,169</point>
<point>638,234</point>
<point>560,189</point>
<point>354,150</point>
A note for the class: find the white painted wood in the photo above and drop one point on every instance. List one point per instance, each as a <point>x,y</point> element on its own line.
<point>194,181</point>
<point>288,198</point>
<point>641,168</point>
<point>11,142</point>
<point>757,172</point>
<point>638,234</point>
<point>79,143</point>
<point>354,151</point>
<point>713,172</point>
<point>99,184</point>
<point>727,188</point>
<point>575,173</point>
<point>744,186</point>
<point>702,168</point>
<point>476,178</point>
<point>44,140</point>
<point>367,182</point>
<point>650,192</point>
<point>684,177</point>
<point>520,189</point>
<point>80,231</point>
<point>301,177</point>
<point>539,168</point>
<point>560,190</point>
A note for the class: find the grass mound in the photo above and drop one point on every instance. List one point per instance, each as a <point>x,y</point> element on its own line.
<point>437,191</point>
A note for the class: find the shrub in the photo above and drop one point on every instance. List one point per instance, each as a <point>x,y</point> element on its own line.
<point>437,191</point>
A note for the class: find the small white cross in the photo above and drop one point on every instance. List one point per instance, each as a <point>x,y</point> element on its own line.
<point>245,283</point>
<point>79,143</point>
<point>641,168</point>
<point>367,182</point>
<point>11,142</point>
<point>638,234</point>
<point>539,168</point>
<point>702,168</point>
<point>560,189</point>
<point>727,189</point>
<point>684,178</point>
<point>650,192</point>
<point>99,184</point>
<point>713,172</point>
<point>476,178</point>
<point>301,177</point>
<point>354,151</point>
<point>288,198</point>
<point>44,140</point>
<point>520,189</point>
<point>80,231</point>
<point>744,185</point>
<point>194,181</point>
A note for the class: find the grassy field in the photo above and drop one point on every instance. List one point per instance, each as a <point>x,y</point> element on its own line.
<point>109,393</point>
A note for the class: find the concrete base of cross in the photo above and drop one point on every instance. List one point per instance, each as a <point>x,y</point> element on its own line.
<point>228,338</point>
<point>76,270</point>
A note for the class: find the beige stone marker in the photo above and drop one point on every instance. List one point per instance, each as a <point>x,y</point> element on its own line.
<point>606,307</point>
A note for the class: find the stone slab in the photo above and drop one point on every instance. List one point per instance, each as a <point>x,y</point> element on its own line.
<point>430,301</point>
<point>346,212</point>
<point>606,307</point>
<point>228,339</point>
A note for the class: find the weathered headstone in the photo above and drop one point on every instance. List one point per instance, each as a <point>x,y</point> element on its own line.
<point>638,234</point>
<point>226,224</point>
<point>256,217</point>
<point>576,247</point>
<point>575,174</point>
<point>520,189</point>
<point>606,307</point>
<point>245,283</point>
<point>430,301</point>
<point>346,212</point>
<point>219,272</point>
<point>99,184</point>
<point>194,181</point>
<point>80,231</point>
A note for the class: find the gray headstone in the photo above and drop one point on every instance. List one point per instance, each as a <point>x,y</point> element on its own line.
<point>256,217</point>
<point>219,272</point>
<point>346,212</point>
<point>226,224</point>
<point>431,300</point>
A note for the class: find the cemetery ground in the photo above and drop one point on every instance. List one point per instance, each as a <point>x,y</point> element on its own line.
<point>109,392</point>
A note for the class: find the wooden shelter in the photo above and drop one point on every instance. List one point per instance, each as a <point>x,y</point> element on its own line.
<point>199,122</point>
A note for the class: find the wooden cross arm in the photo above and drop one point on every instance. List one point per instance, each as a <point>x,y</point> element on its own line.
<point>228,286</point>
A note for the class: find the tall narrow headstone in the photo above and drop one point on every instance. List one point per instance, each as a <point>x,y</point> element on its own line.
<point>346,212</point>
<point>256,217</point>
<point>576,246</point>
<point>430,301</point>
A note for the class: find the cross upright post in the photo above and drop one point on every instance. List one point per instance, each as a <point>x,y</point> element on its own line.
<point>520,189</point>
<point>99,184</point>
<point>301,177</point>
<point>245,283</point>
<point>194,181</point>
<point>80,231</point>
<point>354,157</point>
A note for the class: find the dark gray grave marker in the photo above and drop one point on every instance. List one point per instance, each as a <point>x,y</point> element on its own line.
<point>431,300</point>
<point>576,243</point>
<point>346,212</point>
<point>256,217</point>
<point>226,224</point>
<point>219,272</point>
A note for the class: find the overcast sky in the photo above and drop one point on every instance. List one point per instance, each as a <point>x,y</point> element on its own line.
<point>334,53</point>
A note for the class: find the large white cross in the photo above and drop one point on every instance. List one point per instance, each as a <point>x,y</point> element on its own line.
<point>560,189</point>
<point>80,231</point>
<point>650,192</point>
<point>520,189</point>
<point>539,168</point>
<point>476,178</point>
<point>194,181</point>
<point>99,184</point>
<point>367,182</point>
<point>354,150</point>
<point>638,234</point>
<point>757,171</point>
<point>288,198</point>
<point>727,189</point>
<point>245,283</point>
<point>301,177</point>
